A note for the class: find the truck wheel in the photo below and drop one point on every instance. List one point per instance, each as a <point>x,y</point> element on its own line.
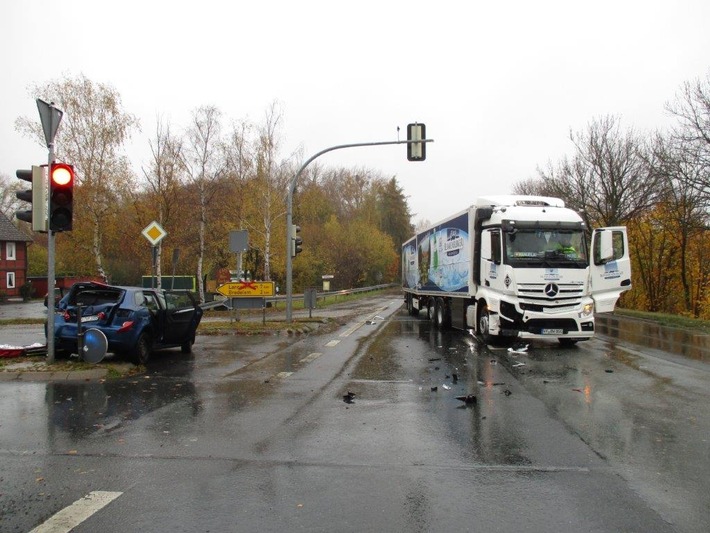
<point>431,310</point>
<point>410,306</point>
<point>442,317</point>
<point>484,321</point>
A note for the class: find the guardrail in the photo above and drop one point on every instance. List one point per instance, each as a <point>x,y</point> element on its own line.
<point>320,295</point>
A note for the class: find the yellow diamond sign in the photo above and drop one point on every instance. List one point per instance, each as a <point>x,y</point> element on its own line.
<point>154,232</point>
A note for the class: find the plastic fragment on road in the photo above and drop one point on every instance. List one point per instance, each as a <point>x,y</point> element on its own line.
<point>519,350</point>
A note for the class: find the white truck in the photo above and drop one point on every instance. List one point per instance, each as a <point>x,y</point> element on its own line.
<point>516,266</point>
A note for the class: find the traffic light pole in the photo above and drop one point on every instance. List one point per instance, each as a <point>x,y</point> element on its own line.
<point>51,276</point>
<point>50,116</point>
<point>289,211</point>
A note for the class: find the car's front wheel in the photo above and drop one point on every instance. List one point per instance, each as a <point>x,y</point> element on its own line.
<point>141,353</point>
<point>186,346</point>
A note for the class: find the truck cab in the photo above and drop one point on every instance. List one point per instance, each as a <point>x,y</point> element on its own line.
<point>538,277</point>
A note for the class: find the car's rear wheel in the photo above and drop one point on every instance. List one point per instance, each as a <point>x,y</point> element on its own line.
<point>141,353</point>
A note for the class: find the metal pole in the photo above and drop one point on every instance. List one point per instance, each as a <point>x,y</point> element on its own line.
<point>50,265</point>
<point>289,212</point>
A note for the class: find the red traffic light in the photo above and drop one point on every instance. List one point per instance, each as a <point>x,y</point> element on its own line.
<point>62,174</point>
<point>61,197</point>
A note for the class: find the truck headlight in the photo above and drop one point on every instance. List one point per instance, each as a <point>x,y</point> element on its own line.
<point>587,310</point>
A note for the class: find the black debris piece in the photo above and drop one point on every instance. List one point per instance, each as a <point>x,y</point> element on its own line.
<point>507,392</point>
<point>434,389</point>
<point>349,397</point>
<point>468,399</point>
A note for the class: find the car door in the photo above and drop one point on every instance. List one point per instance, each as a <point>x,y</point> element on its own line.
<point>182,315</point>
<point>610,267</point>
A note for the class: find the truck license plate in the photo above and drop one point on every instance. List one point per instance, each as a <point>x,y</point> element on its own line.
<point>552,331</point>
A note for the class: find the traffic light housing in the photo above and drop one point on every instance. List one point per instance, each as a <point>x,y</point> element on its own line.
<point>296,241</point>
<point>37,196</point>
<point>416,151</point>
<point>61,197</point>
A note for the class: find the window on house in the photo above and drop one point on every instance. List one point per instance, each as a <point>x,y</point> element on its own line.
<point>10,251</point>
<point>10,280</point>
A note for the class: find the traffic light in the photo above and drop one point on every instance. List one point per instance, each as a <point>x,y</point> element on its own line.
<point>296,241</point>
<point>37,196</point>
<point>61,197</point>
<point>416,151</point>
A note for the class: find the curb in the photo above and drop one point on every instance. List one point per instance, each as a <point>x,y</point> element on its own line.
<point>41,376</point>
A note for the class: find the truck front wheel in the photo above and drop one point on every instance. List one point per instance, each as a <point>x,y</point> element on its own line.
<point>484,323</point>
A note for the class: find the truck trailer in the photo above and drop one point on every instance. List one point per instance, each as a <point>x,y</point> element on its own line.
<point>518,267</point>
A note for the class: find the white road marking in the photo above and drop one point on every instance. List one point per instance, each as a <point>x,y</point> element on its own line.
<point>70,517</point>
<point>311,357</point>
<point>330,344</point>
<point>351,330</point>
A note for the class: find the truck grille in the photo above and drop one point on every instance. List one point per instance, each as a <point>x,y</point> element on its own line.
<point>549,296</point>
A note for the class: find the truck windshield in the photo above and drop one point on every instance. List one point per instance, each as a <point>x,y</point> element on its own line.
<point>537,247</point>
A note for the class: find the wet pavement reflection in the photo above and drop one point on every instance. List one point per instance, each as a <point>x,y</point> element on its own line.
<point>678,341</point>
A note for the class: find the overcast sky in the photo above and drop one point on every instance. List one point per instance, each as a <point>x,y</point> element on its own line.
<point>499,85</point>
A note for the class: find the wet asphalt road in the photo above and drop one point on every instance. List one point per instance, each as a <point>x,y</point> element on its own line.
<point>253,434</point>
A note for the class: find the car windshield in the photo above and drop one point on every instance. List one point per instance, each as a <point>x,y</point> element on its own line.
<point>546,247</point>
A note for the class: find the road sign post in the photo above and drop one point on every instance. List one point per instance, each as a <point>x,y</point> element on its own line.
<point>50,117</point>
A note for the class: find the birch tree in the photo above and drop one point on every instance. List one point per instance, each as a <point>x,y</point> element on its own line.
<point>267,188</point>
<point>203,164</point>
<point>162,177</point>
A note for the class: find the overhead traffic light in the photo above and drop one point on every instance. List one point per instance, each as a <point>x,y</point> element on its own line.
<point>61,197</point>
<point>37,196</point>
<point>296,241</point>
<point>416,151</point>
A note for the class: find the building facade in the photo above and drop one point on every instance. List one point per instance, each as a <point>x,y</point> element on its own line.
<point>13,258</point>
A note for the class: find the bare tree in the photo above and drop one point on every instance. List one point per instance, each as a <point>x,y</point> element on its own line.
<point>93,131</point>
<point>685,210</point>
<point>163,179</point>
<point>268,186</point>
<point>609,179</point>
<point>692,108</point>
<point>203,164</point>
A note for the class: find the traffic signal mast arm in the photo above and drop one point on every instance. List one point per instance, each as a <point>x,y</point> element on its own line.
<point>289,202</point>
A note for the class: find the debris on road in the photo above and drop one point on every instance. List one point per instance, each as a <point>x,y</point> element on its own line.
<point>349,397</point>
<point>519,349</point>
<point>468,399</point>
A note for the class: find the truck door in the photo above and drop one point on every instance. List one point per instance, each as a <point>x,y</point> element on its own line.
<point>491,259</point>
<point>610,267</point>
